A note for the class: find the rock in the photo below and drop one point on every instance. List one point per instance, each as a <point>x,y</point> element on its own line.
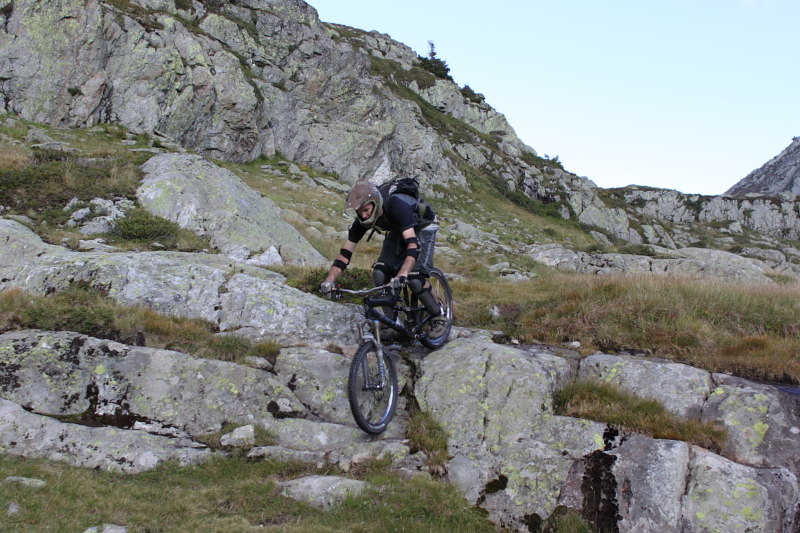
<point>240,437</point>
<point>695,262</point>
<point>322,492</point>
<point>780,174</point>
<point>191,285</point>
<point>724,496</point>
<point>37,135</point>
<point>96,245</point>
<point>107,528</point>
<point>660,485</point>
<point>506,444</point>
<point>680,388</point>
<point>269,258</point>
<point>12,509</point>
<point>258,362</point>
<point>34,436</point>
<point>24,481</point>
<point>763,423</point>
<point>70,374</point>
<point>319,379</point>
<point>213,201</point>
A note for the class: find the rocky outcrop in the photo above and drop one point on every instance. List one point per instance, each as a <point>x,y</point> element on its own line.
<point>233,295</point>
<point>212,201</point>
<point>68,374</point>
<point>514,457</point>
<point>701,262</point>
<point>34,436</point>
<point>508,451</point>
<point>231,81</point>
<point>779,175</point>
<point>763,423</point>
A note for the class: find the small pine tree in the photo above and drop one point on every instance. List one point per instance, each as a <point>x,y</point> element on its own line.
<point>433,64</point>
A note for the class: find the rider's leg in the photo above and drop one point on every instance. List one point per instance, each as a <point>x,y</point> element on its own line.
<point>383,270</point>
<point>417,280</point>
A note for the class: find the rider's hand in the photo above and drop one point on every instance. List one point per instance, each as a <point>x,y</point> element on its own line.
<point>398,282</point>
<point>326,288</point>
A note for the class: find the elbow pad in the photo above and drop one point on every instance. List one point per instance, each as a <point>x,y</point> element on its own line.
<point>413,252</point>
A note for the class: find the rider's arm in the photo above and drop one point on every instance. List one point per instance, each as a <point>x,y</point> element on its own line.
<point>342,259</point>
<point>410,236</point>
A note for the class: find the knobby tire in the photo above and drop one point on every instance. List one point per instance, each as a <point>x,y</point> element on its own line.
<point>372,409</point>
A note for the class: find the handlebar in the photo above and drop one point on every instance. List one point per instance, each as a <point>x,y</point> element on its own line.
<point>362,292</point>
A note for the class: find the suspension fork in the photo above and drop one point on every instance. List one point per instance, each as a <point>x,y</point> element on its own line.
<point>374,336</point>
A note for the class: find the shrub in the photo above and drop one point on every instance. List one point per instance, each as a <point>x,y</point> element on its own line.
<point>140,225</point>
<point>471,95</point>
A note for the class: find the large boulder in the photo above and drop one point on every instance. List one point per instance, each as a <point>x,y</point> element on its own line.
<point>662,485</point>
<point>509,451</point>
<point>213,201</point>
<point>34,436</point>
<point>61,373</point>
<point>213,288</point>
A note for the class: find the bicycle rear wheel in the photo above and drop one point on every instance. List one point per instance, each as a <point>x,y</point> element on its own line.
<point>442,290</point>
<point>372,406</point>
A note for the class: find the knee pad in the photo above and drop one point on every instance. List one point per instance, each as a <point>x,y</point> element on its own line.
<point>416,284</point>
<point>381,273</point>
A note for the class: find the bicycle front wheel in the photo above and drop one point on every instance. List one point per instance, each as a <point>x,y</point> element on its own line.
<point>372,404</point>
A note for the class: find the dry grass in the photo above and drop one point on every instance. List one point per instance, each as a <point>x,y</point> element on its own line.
<point>606,403</point>
<point>87,311</point>
<point>748,330</point>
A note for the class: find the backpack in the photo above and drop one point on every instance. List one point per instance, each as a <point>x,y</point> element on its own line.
<point>407,190</point>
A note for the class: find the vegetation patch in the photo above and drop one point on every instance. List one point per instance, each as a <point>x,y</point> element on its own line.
<point>606,403</point>
<point>698,322</point>
<point>226,495</point>
<point>83,309</point>
<point>427,435</point>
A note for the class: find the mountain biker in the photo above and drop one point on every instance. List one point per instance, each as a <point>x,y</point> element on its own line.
<point>407,251</point>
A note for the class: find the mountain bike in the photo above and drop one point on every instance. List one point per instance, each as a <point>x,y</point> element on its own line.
<point>372,383</point>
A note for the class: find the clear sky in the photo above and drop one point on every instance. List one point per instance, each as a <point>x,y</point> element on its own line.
<point>685,94</point>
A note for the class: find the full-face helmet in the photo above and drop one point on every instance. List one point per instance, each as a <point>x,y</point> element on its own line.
<point>362,193</point>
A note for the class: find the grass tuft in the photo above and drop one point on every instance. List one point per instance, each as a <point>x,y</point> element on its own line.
<point>427,435</point>
<point>606,403</point>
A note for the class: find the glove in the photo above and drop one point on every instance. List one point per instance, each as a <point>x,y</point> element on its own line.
<point>398,282</point>
<point>326,288</point>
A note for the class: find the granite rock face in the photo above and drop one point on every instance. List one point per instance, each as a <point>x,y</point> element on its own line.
<point>779,175</point>
<point>215,288</point>
<point>212,201</point>
<point>284,82</point>
<point>694,262</point>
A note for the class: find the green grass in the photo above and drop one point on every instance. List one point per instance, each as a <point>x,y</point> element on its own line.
<point>427,435</point>
<point>227,495</point>
<point>606,403</point>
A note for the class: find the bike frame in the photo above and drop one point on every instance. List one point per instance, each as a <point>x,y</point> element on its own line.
<point>375,319</point>
<point>371,314</point>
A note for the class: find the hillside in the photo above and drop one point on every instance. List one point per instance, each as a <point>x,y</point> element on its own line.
<point>622,360</point>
